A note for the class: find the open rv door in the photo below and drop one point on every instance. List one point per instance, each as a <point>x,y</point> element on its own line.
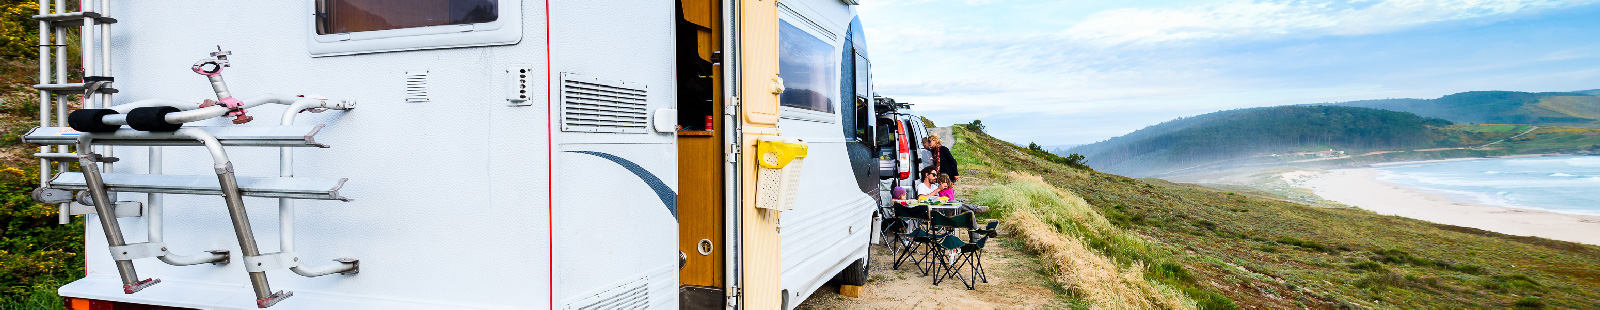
<point>755,98</point>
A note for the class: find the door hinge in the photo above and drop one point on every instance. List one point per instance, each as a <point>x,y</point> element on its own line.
<point>733,152</point>
<point>733,106</point>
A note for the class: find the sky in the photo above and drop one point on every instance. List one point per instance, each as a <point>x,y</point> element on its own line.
<point>1075,72</point>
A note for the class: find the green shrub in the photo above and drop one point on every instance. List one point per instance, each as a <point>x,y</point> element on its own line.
<point>34,249</point>
<point>1210,300</point>
<point>1511,282</point>
<point>40,296</point>
<point>1305,244</point>
<point>1529,302</point>
<point>1368,266</point>
<point>1380,280</point>
<point>1467,269</point>
<point>1170,271</point>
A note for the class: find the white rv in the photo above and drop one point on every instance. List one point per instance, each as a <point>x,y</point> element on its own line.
<point>489,154</point>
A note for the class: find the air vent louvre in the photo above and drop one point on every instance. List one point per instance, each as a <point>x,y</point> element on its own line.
<point>417,86</point>
<point>594,105</point>
<point>627,296</point>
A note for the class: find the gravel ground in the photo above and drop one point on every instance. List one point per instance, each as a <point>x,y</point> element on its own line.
<point>1016,281</point>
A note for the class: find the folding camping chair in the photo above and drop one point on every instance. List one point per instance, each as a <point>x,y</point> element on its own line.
<point>945,240</point>
<point>912,219</point>
<point>974,248</point>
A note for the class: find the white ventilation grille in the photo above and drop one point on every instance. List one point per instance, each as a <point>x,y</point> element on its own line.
<point>416,86</point>
<point>628,296</point>
<point>595,105</point>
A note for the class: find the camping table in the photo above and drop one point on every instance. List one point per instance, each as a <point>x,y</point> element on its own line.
<point>931,206</point>
<point>948,208</point>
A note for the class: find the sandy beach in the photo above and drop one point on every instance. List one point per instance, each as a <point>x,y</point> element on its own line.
<point>1361,188</point>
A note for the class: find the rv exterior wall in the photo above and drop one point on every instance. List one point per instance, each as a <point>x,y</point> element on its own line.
<point>615,231</point>
<point>459,182</point>
<point>462,201</point>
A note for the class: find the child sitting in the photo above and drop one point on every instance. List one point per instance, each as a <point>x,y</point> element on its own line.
<point>946,188</point>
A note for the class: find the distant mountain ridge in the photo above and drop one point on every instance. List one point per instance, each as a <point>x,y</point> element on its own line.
<point>1258,131</point>
<point>1578,108</point>
<point>1457,125</point>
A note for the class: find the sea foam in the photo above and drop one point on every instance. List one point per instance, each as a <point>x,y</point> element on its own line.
<point>1558,184</point>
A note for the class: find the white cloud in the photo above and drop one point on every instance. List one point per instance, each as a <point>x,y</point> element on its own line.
<point>1032,66</point>
<point>1257,19</point>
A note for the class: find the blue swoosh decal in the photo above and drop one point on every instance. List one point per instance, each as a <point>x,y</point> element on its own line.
<point>668,197</point>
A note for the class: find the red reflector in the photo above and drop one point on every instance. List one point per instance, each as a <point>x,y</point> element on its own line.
<point>91,304</point>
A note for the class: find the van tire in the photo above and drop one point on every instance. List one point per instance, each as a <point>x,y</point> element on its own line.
<point>855,274</point>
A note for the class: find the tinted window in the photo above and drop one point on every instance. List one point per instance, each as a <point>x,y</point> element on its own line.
<point>807,66</point>
<point>341,16</point>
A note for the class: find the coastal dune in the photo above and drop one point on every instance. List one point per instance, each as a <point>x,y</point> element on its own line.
<point>1361,188</point>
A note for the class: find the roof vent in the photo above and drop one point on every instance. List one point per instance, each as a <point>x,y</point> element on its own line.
<point>595,105</point>
<point>417,86</point>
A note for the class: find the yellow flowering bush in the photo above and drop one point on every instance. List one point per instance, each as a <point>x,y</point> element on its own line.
<point>19,33</point>
<point>34,249</point>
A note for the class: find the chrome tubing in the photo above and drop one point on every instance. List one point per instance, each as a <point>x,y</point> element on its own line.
<point>156,224</point>
<point>236,212</point>
<point>45,101</point>
<point>286,205</point>
<point>108,217</point>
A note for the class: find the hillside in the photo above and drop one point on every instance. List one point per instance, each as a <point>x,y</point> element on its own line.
<point>1252,132</point>
<point>1122,243</point>
<point>36,254</point>
<point>1338,135</point>
<point>1580,108</point>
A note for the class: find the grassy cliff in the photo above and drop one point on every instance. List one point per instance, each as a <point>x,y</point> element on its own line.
<point>1500,107</point>
<point>1123,243</point>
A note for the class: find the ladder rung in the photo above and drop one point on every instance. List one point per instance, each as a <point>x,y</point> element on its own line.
<point>270,187</point>
<point>279,136</point>
<point>71,87</point>
<point>74,19</point>
<point>120,208</point>
<point>57,156</point>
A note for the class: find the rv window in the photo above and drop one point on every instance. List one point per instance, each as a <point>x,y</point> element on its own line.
<point>807,66</point>
<point>343,16</point>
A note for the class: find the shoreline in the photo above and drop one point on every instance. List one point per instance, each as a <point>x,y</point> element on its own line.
<point>1396,163</point>
<point>1360,187</point>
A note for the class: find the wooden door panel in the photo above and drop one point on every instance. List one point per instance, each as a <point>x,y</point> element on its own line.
<point>700,167</point>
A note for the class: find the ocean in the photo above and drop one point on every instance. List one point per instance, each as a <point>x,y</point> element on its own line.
<point>1563,184</point>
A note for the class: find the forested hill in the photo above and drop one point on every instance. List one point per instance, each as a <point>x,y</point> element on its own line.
<point>1579,108</point>
<point>1226,135</point>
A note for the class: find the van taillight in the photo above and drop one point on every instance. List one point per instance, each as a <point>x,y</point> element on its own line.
<point>904,150</point>
<point>905,169</point>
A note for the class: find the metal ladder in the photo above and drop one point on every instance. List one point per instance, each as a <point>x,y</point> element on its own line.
<point>55,90</point>
<point>96,90</point>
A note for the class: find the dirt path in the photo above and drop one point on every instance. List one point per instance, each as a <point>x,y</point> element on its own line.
<point>1016,281</point>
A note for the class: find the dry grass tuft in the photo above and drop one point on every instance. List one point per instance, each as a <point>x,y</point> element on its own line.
<point>1097,279</point>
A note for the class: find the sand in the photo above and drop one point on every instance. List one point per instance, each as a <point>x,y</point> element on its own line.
<point>1361,188</point>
